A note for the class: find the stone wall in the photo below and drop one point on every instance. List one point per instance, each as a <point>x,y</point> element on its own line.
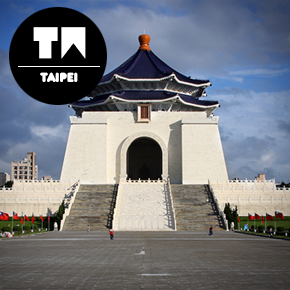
<point>38,197</point>
<point>252,196</point>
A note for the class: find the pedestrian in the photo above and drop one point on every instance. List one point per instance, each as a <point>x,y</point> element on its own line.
<point>111,234</point>
<point>211,230</point>
<point>88,229</point>
<point>270,232</point>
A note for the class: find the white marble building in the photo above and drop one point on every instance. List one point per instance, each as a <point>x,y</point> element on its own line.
<point>145,120</point>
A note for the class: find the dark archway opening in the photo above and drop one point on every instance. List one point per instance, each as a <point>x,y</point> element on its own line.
<point>144,160</point>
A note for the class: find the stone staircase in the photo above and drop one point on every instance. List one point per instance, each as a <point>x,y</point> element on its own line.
<point>194,207</point>
<point>143,206</point>
<point>94,206</point>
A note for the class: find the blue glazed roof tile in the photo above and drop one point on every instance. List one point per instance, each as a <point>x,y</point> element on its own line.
<point>145,64</point>
<point>141,68</point>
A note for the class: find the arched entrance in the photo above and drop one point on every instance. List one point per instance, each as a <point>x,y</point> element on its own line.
<point>125,147</point>
<point>144,160</point>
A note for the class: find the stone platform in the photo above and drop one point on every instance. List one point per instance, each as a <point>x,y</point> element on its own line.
<point>144,260</point>
<point>144,207</point>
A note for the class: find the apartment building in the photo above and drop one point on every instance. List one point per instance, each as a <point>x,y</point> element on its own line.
<point>25,169</point>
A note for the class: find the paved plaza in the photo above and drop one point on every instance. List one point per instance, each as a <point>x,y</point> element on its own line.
<point>144,260</point>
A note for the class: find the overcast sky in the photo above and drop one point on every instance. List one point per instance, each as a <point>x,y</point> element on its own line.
<point>242,47</point>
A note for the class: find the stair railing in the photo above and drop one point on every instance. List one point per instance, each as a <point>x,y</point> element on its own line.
<point>68,202</point>
<point>220,211</point>
<point>112,207</point>
<point>171,202</point>
<point>145,180</point>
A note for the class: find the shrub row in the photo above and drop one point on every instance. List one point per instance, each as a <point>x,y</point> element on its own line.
<point>19,228</point>
<point>261,229</point>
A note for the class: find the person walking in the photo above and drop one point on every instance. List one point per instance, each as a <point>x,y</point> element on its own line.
<point>270,232</point>
<point>111,234</point>
<point>88,229</point>
<point>211,230</point>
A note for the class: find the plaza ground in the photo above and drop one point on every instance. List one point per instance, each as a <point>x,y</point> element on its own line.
<point>144,260</point>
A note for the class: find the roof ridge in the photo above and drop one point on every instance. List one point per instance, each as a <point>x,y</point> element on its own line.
<point>155,65</point>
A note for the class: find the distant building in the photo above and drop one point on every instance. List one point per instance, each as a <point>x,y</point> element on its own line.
<point>25,169</point>
<point>4,177</point>
<point>47,177</point>
<point>261,177</point>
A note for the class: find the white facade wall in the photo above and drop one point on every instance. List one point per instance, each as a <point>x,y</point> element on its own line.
<point>202,152</point>
<point>95,141</point>
<point>252,196</point>
<point>86,151</point>
<point>36,197</point>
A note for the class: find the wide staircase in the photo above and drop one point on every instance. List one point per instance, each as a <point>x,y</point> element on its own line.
<point>94,206</point>
<point>144,206</point>
<point>194,207</point>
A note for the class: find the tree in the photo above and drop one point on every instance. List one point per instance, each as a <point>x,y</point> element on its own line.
<point>8,184</point>
<point>283,184</point>
<point>231,215</point>
<point>59,215</point>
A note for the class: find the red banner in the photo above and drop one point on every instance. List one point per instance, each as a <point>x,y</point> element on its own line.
<point>4,216</point>
<point>250,217</point>
<point>279,215</point>
<point>269,217</point>
<point>15,216</point>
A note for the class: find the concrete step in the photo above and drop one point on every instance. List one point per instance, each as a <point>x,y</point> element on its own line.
<point>92,206</point>
<point>143,207</point>
<point>194,207</point>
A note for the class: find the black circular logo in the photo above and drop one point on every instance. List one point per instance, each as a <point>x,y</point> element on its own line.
<point>57,55</point>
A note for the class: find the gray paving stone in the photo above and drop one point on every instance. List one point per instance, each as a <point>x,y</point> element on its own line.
<point>144,260</point>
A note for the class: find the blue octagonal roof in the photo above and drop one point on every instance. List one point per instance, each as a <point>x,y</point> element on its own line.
<point>145,64</point>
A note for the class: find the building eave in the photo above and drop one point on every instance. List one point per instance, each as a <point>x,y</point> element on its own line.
<point>169,77</point>
<point>113,98</point>
<point>169,83</point>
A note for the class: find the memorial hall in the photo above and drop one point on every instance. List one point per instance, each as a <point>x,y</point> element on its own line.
<point>144,153</point>
<point>145,120</point>
<point>143,127</point>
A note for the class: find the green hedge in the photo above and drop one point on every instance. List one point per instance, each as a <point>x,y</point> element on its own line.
<point>6,229</point>
<point>17,229</point>
<point>261,228</point>
<point>280,229</point>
